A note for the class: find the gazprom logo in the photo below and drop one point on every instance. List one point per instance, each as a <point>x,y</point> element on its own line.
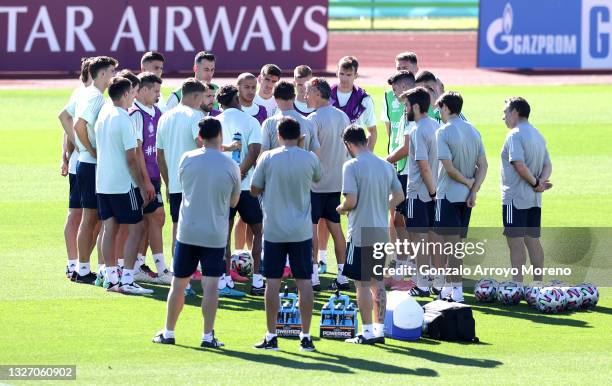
<point>501,40</point>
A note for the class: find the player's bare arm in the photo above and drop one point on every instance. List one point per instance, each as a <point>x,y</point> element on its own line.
<point>250,159</point>
<point>80,130</point>
<point>456,174</point>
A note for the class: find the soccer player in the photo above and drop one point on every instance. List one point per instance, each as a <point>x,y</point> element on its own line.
<point>407,61</point>
<point>120,186</point>
<point>208,103</point>
<point>435,88</point>
<point>177,133</point>
<point>69,160</point>
<point>211,185</point>
<point>88,106</point>
<point>329,123</point>
<point>301,75</point>
<point>370,188</point>
<point>247,89</point>
<point>462,169</point>
<point>203,70</point>
<point>268,76</point>
<point>421,184</point>
<point>145,117</point>
<point>235,122</point>
<point>525,171</point>
<point>286,174</point>
<point>153,62</point>
<point>354,100</point>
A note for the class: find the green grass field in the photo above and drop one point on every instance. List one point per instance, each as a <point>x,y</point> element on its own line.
<point>47,320</point>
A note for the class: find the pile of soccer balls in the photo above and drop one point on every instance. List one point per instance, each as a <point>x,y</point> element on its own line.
<point>551,298</point>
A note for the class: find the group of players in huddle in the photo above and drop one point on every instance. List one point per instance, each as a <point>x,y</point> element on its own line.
<point>282,155</point>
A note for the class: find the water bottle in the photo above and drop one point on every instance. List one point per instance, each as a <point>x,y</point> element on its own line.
<point>236,153</point>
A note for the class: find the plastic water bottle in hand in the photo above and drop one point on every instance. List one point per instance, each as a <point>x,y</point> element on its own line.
<point>236,153</point>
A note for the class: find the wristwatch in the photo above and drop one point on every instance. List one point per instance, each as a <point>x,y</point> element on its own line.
<point>537,182</point>
<point>432,195</point>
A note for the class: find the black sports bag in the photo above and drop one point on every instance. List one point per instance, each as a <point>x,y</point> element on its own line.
<point>448,320</point>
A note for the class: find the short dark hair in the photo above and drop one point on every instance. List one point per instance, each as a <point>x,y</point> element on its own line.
<point>99,63</point>
<point>226,94</point>
<point>148,79</point>
<point>151,56</point>
<point>322,86</point>
<point>407,56</point>
<point>348,62</point>
<point>245,76</point>
<point>191,86</point>
<point>425,76</point>
<point>118,86</point>
<point>302,71</point>
<point>520,105</point>
<point>418,96</point>
<point>209,128</point>
<point>129,75</point>
<point>271,69</point>
<point>355,135</point>
<point>284,90</point>
<point>84,76</point>
<point>289,128</point>
<point>452,100</point>
<point>204,55</point>
<point>405,76</point>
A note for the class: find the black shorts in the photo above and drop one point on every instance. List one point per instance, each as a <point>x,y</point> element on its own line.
<point>522,222</point>
<point>419,215</point>
<point>300,259</point>
<point>126,208</point>
<point>157,202</point>
<point>74,197</point>
<point>324,206</point>
<point>248,208</point>
<point>187,257</point>
<point>175,205</point>
<point>86,179</point>
<point>452,218</point>
<point>361,265</point>
<point>401,208</point>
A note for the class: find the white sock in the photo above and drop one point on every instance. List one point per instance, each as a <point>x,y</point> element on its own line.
<point>341,278</point>
<point>257,280</point>
<point>229,281</point>
<point>207,337</point>
<point>287,261</point>
<point>323,256</point>
<point>222,283</point>
<point>141,258</point>
<point>399,266</point>
<point>84,269</point>
<point>121,262</point>
<point>112,275</point>
<point>438,281</point>
<point>168,334</point>
<point>128,276</point>
<point>72,264</point>
<point>315,274</point>
<point>422,281</point>
<point>269,336</point>
<point>101,269</point>
<point>302,335</point>
<point>379,329</point>
<point>160,263</point>
<point>367,331</point>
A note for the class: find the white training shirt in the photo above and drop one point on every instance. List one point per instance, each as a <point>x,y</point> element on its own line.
<point>177,131</point>
<point>114,135</point>
<point>88,107</point>
<point>269,104</point>
<point>70,108</point>
<point>368,117</point>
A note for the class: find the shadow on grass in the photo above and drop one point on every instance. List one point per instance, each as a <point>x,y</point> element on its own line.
<point>442,358</point>
<point>522,311</point>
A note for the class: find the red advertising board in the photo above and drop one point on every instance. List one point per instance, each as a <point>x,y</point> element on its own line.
<point>52,35</point>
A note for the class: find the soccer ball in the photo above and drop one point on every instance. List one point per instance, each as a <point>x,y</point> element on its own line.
<point>485,290</point>
<point>531,293</point>
<point>573,297</point>
<point>242,262</point>
<point>590,295</point>
<point>509,292</point>
<point>551,300</point>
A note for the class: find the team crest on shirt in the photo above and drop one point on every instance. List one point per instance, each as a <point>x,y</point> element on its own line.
<point>395,104</point>
<point>151,128</point>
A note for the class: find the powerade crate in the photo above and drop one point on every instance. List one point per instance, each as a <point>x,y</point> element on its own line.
<point>338,318</point>
<point>289,321</point>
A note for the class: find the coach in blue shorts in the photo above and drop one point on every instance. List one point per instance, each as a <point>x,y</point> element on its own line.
<point>463,167</point>
<point>210,183</point>
<point>284,177</point>
<point>525,170</point>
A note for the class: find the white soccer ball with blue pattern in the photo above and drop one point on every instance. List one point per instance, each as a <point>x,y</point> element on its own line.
<point>551,300</point>
<point>590,295</point>
<point>509,292</point>
<point>531,292</point>
<point>573,297</point>
<point>242,262</point>
<point>485,290</point>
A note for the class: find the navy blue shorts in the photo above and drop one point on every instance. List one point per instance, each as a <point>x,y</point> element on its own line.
<point>522,222</point>
<point>401,208</point>
<point>187,257</point>
<point>248,208</point>
<point>74,198</point>
<point>361,265</point>
<point>86,179</point>
<point>324,206</point>
<point>300,259</point>
<point>157,202</point>
<point>452,218</point>
<point>175,205</point>
<point>126,208</point>
<point>420,215</point>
